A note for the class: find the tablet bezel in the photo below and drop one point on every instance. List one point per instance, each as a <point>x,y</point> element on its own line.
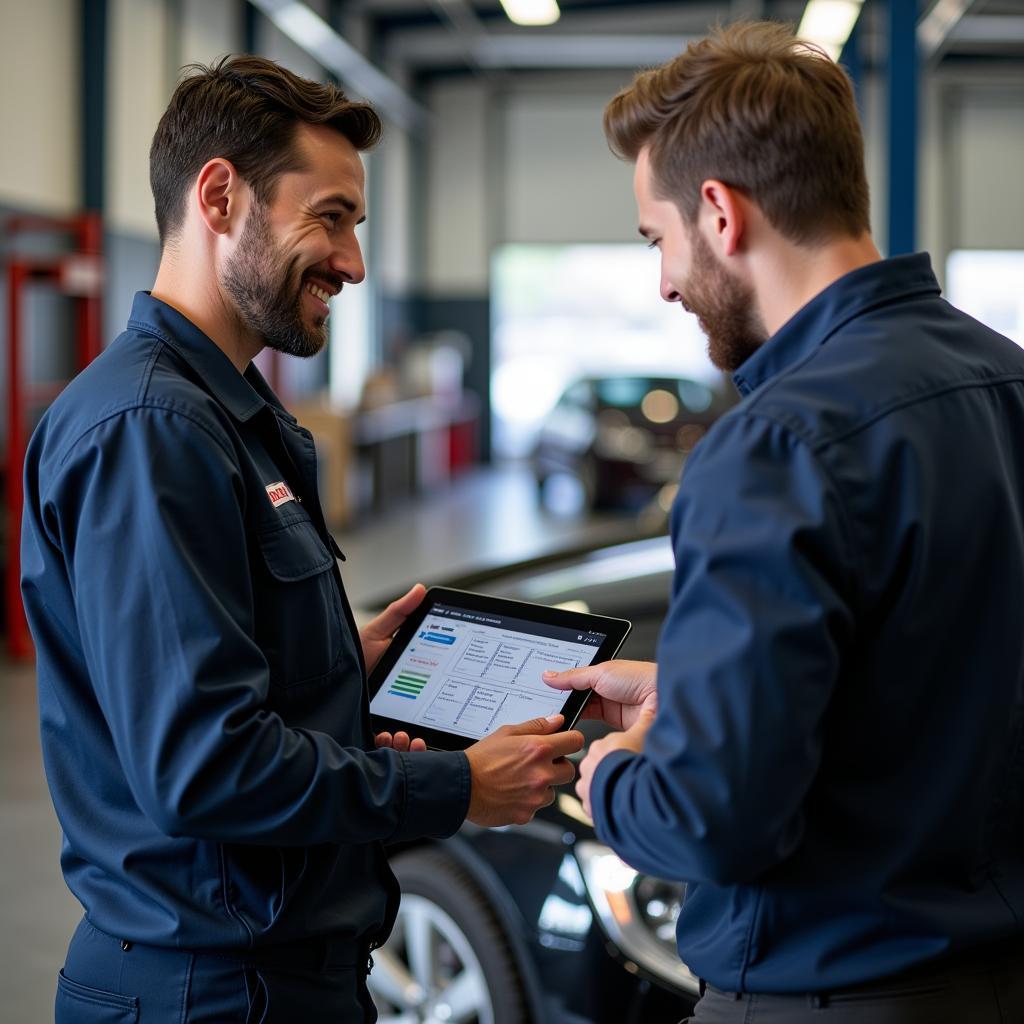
<point>615,631</point>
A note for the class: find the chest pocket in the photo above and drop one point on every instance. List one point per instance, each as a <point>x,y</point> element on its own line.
<point>298,609</point>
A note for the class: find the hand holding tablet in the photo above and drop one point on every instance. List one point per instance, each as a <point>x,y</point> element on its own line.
<point>466,672</point>
<point>464,665</point>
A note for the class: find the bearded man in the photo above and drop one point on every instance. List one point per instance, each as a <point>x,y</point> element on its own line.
<point>202,682</point>
<point>830,748</point>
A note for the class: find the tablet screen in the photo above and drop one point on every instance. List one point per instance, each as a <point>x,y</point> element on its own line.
<point>469,672</point>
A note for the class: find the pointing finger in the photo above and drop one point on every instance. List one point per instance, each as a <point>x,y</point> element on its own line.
<point>564,743</point>
<point>534,726</point>
<point>584,678</point>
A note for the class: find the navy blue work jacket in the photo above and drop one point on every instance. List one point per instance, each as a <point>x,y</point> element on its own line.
<point>837,762</point>
<point>205,727</point>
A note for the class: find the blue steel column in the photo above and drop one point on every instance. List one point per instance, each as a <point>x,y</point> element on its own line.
<point>93,109</point>
<point>902,105</point>
<point>249,17</point>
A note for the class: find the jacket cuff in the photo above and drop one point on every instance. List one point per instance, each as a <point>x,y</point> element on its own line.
<point>437,788</point>
<point>602,789</point>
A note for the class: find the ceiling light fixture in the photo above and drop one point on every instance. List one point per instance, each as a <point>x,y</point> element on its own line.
<point>828,23</point>
<point>532,12</point>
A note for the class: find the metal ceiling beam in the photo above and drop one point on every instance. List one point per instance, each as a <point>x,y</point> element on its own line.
<point>937,25</point>
<point>989,29</point>
<point>464,24</point>
<point>520,50</point>
<point>625,51</point>
<point>309,31</point>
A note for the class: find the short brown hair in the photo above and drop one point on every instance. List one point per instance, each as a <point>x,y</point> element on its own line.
<point>760,110</point>
<point>245,109</point>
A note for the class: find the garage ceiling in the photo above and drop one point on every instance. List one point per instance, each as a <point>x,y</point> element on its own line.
<point>445,36</point>
<point>404,42</point>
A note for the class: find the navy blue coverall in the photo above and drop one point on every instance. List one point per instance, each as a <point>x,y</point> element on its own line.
<point>205,728</point>
<point>837,762</point>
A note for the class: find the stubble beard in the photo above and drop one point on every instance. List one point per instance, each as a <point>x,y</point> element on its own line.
<point>267,291</point>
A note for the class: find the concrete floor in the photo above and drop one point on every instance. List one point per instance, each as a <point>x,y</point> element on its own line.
<point>486,518</point>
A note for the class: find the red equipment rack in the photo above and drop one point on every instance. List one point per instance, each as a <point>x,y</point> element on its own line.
<point>78,274</point>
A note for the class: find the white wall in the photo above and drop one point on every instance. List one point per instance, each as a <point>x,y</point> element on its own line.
<point>518,161</point>
<point>986,167</point>
<point>396,218</point>
<point>147,46</point>
<point>459,192</point>
<point>139,82</point>
<point>209,29</point>
<point>872,104</point>
<point>527,162</point>
<point>40,163</point>
<point>390,204</point>
<point>562,184</point>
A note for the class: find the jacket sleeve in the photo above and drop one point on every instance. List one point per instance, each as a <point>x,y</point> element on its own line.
<point>148,509</point>
<point>748,659</point>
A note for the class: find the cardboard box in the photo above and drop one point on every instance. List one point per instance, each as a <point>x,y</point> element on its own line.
<point>331,430</point>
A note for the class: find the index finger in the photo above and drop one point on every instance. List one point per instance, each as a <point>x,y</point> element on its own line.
<point>583,678</point>
<point>560,744</point>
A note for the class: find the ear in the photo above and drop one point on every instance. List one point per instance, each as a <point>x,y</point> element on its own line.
<point>723,210</point>
<point>218,191</point>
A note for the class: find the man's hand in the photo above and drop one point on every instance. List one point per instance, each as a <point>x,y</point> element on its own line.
<point>632,740</point>
<point>515,769</point>
<point>376,634</point>
<point>400,741</point>
<point>621,690</point>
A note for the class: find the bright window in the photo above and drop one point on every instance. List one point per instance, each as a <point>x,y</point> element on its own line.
<point>987,285</point>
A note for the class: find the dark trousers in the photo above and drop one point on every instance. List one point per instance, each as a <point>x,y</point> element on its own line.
<point>107,981</point>
<point>986,988</point>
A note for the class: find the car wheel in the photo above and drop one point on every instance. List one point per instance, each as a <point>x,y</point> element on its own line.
<point>448,959</point>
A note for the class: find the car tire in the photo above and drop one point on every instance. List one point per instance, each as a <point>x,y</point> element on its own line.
<point>465,966</point>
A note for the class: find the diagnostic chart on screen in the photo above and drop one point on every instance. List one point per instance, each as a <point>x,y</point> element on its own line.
<point>470,672</point>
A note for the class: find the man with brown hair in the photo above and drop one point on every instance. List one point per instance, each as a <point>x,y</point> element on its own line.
<point>830,747</point>
<point>202,682</point>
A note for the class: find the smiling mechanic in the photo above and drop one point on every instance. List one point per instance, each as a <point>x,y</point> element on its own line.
<point>833,752</point>
<point>202,684</point>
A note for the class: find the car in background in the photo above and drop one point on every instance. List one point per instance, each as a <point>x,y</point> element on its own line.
<point>542,923</point>
<point>616,441</point>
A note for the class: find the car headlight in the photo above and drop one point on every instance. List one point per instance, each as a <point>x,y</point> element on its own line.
<point>625,443</point>
<point>638,912</point>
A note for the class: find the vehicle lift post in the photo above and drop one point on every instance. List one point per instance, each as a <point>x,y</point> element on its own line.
<point>78,274</point>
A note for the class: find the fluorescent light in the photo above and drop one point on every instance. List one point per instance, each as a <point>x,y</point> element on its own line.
<point>532,12</point>
<point>829,23</point>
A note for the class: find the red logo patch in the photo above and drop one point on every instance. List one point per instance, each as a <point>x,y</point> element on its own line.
<point>279,493</point>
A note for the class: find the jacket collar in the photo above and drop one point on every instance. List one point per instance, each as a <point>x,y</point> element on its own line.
<point>877,284</point>
<point>242,395</point>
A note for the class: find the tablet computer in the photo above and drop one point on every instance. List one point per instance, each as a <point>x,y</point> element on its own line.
<point>463,665</point>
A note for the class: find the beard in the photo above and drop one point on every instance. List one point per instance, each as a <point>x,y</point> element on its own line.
<point>725,308</point>
<point>267,291</point>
